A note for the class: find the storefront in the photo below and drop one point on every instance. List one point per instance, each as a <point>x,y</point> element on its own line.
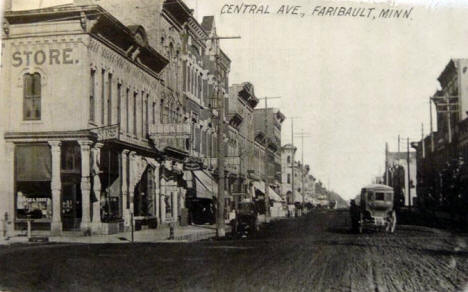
<point>201,197</point>
<point>276,202</point>
<point>33,196</point>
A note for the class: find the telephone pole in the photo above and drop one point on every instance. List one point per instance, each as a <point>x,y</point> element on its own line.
<point>293,159</point>
<point>220,225</point>
<point>408,173</point>
<point>386,164</point>
<point>266,160</point>
<point>302,135</point>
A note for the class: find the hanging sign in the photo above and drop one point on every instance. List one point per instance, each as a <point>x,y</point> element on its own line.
<point>107,132</point>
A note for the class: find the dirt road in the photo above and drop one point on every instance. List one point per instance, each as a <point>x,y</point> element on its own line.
<point>312,253</point>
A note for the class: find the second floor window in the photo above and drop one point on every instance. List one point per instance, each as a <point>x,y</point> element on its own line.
<point>289,178</point>
<point>32,97</point>
<point>92,92</point>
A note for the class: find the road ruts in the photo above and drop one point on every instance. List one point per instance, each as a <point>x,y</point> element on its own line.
<point>316,252</point>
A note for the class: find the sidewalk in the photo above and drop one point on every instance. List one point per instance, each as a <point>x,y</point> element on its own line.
<point>181,234</point>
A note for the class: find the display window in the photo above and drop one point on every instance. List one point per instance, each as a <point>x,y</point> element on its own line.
<point>33,197</point>
<point>33,200</point>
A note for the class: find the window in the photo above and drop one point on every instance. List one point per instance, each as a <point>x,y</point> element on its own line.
<point>135,113</point>
<point>119,101</point>
<point>103,77</point>
<point>289,159</point>
<point>109,100</point>
<point>379,196</point>
<point>146,116</point>
<point>32,183</point>
<point>127,120</point>
<point>92,92</point>
<point>161,108</point>
<point>154,113</point>
<point>143,104</point>
<point>32,97</point>
<point>289,178</point>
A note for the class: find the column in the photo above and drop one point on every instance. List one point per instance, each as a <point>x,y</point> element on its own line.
<point>125,210</point>
<point>85,147</point>
<point>56,187</point>
<point>9,188</point>
<point>96,225</point>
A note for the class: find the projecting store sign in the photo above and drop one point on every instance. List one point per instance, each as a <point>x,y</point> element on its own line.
<point>107,133</point>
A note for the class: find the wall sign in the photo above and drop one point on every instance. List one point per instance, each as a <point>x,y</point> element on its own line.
<point>43,57</point>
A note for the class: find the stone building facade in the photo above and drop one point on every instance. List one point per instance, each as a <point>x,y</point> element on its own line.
<point>110,115</point>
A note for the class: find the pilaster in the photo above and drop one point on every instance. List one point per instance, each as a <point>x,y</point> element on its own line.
<point>96,225</point>
<point>56,187</point>
<point>85,147</point>
<point>125,171</point>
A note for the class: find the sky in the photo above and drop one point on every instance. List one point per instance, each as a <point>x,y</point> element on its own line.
<point>352,83</point>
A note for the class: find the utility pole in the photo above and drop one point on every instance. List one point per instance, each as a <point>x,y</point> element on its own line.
<point>430,120</point>
<point>422,141</point>
<point>293,159</point>
<point>386,164</point>
<point>408,173</point>
<point>266,160</point>
<point>443,105</point>
<point>220,225</point>
<point>303,135</point>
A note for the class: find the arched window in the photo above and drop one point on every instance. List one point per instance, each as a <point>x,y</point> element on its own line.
<point>289,159</point>
<point>32,97</point>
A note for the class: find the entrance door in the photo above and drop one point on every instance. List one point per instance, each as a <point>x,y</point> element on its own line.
<point>71,206</point>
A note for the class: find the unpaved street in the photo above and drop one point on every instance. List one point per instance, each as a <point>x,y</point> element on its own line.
<point>313,253</point>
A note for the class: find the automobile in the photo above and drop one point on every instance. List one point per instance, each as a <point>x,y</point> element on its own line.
<point>246,218</point>
<point>374,209</point>
<point>203,211</point>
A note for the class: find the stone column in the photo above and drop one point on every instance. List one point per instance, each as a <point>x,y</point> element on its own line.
<point>96,225</point>
<point>125,210</point>
<point>85,186</point>
<point>56,187</point>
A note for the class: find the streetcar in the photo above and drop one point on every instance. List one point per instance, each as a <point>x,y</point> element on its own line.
<point>373,208</point>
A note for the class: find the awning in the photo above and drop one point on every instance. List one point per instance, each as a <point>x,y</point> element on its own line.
<point>260,185</point>
<point>205,185</point>
<point>274,196</point>
<point>33,162</point>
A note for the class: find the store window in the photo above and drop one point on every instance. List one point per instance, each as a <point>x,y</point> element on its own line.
<point>32,97</point>
<point>33,164</point>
